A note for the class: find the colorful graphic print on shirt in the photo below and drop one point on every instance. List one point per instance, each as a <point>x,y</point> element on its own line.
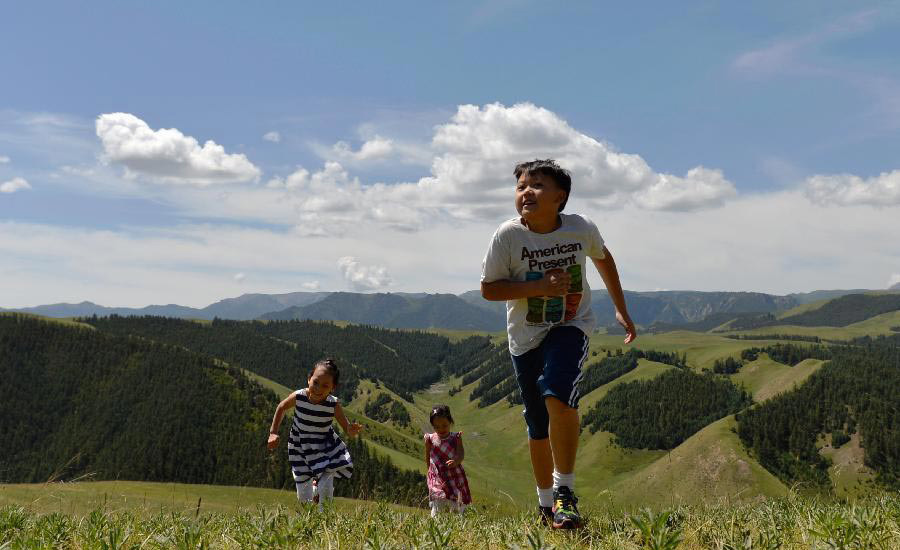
<point>543,310</point>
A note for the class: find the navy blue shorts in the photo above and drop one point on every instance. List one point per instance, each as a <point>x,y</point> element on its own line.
<point>551,369</point>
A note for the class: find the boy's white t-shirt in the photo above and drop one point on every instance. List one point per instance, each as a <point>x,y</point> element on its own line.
<point>519,254</point>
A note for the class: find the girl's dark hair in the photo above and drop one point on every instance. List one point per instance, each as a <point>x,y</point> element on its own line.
<point>547,167</point>
<point>330,367</point>
<point>440,411</point>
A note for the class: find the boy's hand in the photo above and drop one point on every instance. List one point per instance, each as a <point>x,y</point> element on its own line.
<point>273,442</point>
<point>628,325</point>
<point>354,429</point>
<point>556,284</point>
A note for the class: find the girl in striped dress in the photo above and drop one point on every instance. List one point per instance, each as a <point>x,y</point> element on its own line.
<point>448,487</point>
<point>315,451</point>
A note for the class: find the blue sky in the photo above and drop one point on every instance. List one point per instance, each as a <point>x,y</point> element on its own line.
<point>351,144</point>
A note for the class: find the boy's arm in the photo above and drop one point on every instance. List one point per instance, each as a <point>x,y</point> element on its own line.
<point>610,275</point>
<point>556,284</point>
<point>349,429</point>
<point>495,269</point>
<point>285,404</point>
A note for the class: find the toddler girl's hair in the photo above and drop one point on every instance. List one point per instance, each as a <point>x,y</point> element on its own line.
<point>330,367</point>
<point>440,411</point>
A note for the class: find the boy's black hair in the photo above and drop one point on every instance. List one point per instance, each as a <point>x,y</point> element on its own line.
<point>330,367</point>
<point>440,411</point>
<point>547,167</point>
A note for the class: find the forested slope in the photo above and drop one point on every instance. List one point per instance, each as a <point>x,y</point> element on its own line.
<point>77,402</point>
<point>857,390</point>
<point>284,351</point>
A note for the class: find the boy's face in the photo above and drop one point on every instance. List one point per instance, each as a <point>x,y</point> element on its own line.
<point>538,197</point>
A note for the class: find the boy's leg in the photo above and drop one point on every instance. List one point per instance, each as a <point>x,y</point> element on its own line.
<point>565,349</point>
<point>529,367</point>
<point>541,462</point>
<point>564,432</point>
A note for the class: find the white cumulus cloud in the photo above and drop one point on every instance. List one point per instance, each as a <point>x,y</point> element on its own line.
<point>478,148</point>
<point>363,277</point>
<point>4,159</point>
<point>13,185</point>
<point>311,285</point>
<point>470,179</point>
<point>894,280</point>
<point>273,136</point>
<point>701,188</point>
<point>373,149</point>
<point>167,155</point>
<point>239,277</point>
<point>848,189</point>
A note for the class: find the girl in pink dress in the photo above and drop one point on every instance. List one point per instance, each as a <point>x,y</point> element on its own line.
<point>448,488</point>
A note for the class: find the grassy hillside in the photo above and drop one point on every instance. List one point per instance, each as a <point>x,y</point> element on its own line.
<point>710,465</point>
<point>765,378</point>
<point>879,324</point>
<point>81,498</point>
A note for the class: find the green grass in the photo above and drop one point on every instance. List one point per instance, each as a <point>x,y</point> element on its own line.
<point>765,378</point>
<point>848,474</point>
<point>79,498</point>
<point>803,308</point>
<point>702,349</point>
<point>709,466</point>
<point>873,326</point>
<point>644,371</point>
<point>790,523</point>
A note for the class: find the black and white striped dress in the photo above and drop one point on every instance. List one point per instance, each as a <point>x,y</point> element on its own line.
<point>314,448</point>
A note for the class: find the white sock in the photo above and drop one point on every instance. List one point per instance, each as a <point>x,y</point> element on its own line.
<point>545,497</point>
<point>563,480</point>
<point>305,491</point>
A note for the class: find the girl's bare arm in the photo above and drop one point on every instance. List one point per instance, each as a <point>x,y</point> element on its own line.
<point>282,408</point>
<point>427,451</point>
<point>349,429</point>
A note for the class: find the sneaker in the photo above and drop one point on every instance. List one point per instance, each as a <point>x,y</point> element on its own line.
<point>546,514</point>
<point>565,509</point>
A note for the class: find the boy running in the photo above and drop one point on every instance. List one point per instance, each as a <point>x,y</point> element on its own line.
<point>537,262</point>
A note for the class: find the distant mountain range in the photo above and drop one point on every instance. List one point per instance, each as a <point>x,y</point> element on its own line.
<point>399,311</point>
<point>242,308</point>
<point>466,311</point>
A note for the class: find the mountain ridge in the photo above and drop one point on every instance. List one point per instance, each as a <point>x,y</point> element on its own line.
<point>465,311</point>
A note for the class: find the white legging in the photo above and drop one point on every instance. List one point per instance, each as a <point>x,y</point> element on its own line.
<point>443,504</point>
<point>324,488</point>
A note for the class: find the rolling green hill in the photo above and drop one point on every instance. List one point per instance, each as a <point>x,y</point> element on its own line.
<point>416,370</point>
<point>79,403</point>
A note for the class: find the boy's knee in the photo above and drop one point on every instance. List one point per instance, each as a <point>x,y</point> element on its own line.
<point>556,406</point>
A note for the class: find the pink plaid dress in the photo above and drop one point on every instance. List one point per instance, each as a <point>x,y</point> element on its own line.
<point>443,482</point>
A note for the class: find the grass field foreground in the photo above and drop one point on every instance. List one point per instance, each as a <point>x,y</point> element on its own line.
<point>791,522</point>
